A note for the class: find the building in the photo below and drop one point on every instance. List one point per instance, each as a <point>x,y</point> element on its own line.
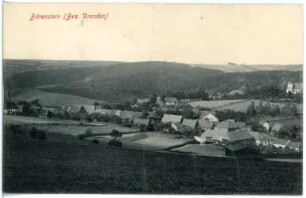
<point>205,124</point>
<point>227,125</point>
<point>278,128</point>
<point>11,108</point>
<point>143,124</point>
<point>193,124</point>
<point>261,138</point>
<point>170,101</point>
<point>169,118</point>
<point>180,128</point>
<point>232,140</point>
<point>294,88</point>
<point>296,146</point>
<point>209,116</point>
<point>279,143</point>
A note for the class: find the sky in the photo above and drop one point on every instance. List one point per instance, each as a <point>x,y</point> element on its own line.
<point>194,33</point>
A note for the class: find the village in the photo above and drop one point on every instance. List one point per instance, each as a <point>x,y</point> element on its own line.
<point>167,123</point>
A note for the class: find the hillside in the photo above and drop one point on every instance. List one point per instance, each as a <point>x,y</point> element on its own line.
<point>52,99</point>
<point>141,79</point>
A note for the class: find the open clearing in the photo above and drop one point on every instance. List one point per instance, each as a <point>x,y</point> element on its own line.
<point>32,166</point>
<point>53,99</point>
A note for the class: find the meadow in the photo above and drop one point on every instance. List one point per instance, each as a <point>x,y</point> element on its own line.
<point>33,166</point>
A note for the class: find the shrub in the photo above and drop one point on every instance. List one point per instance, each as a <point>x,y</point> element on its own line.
<point>33,133</point>
<point>115,143</point>
<point>95,141</point>
<point>41,135</point>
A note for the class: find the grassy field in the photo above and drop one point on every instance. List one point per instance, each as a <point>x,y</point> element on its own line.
<point>213,104</point>
<point>53,99</point>
<point>27,120</point>
<point>32,166</point>
<point>236,105</point>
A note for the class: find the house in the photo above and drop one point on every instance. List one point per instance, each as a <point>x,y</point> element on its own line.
<point>144,100</point>
<point>261,138</point>
<point>240,125</point>
<point>296,146</point>
<point>160,102</point>
<point>103,111</point>
<point>180,128</point>
<point>266,125</point>
<point>294,88</point>
<point>170,101</point>
<point>277,128</point>
<point>240,91</point>
<point>190,123</point>
<point>45,114</point>
<point>232,140</point>
<point>11,108</point>
<point>143,124</point>
<point>169,118</point>
<point>227,125</point>
<point>205,124</point>
<point>209,116</point>
<point>279,143</point>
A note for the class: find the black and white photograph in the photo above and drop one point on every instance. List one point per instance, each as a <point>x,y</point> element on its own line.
<point>162,99</point>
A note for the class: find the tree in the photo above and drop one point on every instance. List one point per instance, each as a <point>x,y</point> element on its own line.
<point>260,108</point>
<point>251,111</point>
<point>267,108</point>
<point>96,104</point>
<point>115,134</point>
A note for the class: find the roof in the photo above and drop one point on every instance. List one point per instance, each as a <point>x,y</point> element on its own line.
<point>171,118</point>
<point>231,136</point>
<point>170,100</point>
<point>277,127</point>
<point>130,114</point>
<point>89,108</point>
<point>144,100</point>
<point>240,124</point>
<point>295,144</point>
<point>204,124</point>
<point>259,136</point>
<point>140,121</point>
<point>205,113</point>
<point>279,141</point>
<point>298,86</point>
<point>11,105</point>
<point>103,111</point>
<point>228,124</point>
<point>190,123</point>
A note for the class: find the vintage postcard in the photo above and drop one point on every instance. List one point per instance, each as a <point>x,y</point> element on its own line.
<point>105,98</point>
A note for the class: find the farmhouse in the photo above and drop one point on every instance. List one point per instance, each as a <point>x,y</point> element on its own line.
<point>169,118</point>
<point>227,125</point>
<point>278,128</point>
<point>179,128</point>
<point>296,146</point>
<point>261,138</point>
<point>205,124</point>
<point>209,116</point>
<point>233,140</point>
<point>11,108</point>
<point>294,88</point>
<point>170,101</point>
<point>190,123</point>
<point>143,124</point>
<point>279,143</point>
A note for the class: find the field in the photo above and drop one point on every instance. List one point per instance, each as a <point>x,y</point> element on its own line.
<point>32,166</point>
<point>235,105</point>
<point>26,120</point>
<point>213,104</point>
<point>53,99</point>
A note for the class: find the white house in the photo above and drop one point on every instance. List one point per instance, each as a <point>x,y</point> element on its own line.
<point>294,88</point>
<point>209,116</point>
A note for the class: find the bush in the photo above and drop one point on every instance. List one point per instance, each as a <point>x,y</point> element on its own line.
<point>95,141</point>
<point>41,135</point>
<point>115,143</point>
<point>33,133</point>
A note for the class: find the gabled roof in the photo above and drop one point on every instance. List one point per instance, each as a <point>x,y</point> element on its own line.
<point>280,141</point>
<point>298,86</point>
<point>103,111</point>
<point>11,105</point>
<point>89,108</point>
<point>277,127</point>
<point>231,136</point>
<point>259,136</point>
<point>190,123</point>
<point>144,100</point>
<point>205,113</point>
<point>295,145</point>
<point>205,124</point>
<point>228,124</point>
<point>171,118</point>
<point>130,114</point>
<point>170,100</point>
<point>140,121</point>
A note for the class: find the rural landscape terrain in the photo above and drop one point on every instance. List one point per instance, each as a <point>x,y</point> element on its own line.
<point>152,127</point>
